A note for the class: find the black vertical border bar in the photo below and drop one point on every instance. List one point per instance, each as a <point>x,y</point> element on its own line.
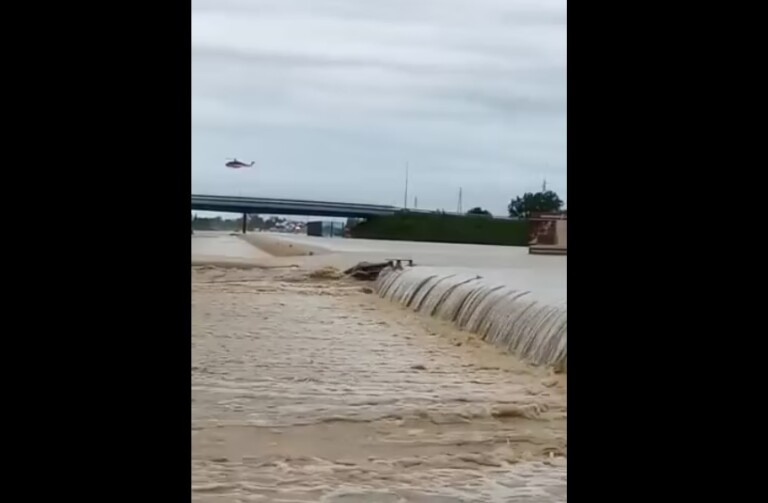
<point>120,150</point>
<point>640,305</point>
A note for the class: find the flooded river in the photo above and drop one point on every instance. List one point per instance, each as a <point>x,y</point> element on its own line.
<point>315,390</point>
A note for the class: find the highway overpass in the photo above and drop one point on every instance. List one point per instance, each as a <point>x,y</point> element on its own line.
<point>253,205</point>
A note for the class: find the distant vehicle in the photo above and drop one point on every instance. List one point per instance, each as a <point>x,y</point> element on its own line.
<point>235,164</point>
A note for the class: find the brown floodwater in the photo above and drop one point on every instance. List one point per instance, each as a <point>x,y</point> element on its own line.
<point>316,390</point>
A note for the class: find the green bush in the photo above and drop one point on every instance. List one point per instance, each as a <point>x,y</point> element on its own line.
<point>470,229</point>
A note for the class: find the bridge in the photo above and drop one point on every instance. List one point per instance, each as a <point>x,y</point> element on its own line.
<point>252,205</point>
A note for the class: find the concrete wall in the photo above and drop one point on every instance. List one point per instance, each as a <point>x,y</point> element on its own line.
<point>549,236</point>
<point>562,233</point>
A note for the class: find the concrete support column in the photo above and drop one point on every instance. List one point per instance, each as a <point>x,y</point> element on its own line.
<point>245,223</point>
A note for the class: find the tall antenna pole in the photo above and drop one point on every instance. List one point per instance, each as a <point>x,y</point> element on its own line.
<point>405,197</point>
<point>544,185</point>
<point>415,202</point>
<point>458,209</point>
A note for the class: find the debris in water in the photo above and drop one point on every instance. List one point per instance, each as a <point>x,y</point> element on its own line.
<point>418,367</point>
<point>365,289</point>
<point>369,271</point>
<point>529,411</point>
<point>326,273</point>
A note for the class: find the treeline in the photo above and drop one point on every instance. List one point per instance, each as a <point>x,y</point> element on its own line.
<point>476,227</point>
<point>255,222</point>
<point>444,228</point>
<point>526,205</point>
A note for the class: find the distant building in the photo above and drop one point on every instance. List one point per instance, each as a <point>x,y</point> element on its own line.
<point>549,234</point>
<point>325,228</point>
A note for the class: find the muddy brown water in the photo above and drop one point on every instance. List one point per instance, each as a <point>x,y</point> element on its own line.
<point>311,390</point>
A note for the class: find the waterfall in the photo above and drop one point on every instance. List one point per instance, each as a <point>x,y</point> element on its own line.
<point>534,327</point>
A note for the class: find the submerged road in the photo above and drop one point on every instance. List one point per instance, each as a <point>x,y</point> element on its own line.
<point>512,265</point>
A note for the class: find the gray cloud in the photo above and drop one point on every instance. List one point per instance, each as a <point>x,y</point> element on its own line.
<point>332,97</point>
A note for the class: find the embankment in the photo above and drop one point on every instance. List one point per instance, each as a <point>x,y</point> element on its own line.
<point>278,246</point>
<point>535,328</point>
<point>470,229</point>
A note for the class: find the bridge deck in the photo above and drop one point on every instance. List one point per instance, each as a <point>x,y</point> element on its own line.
<point>276,206</point>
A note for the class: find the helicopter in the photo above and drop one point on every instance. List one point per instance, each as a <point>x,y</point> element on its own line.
<point>235,164</point>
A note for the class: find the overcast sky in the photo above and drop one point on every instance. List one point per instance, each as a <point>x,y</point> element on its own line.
<point>331,99</point>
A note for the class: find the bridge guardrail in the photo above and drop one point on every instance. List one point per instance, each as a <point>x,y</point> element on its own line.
<point>262,200</point>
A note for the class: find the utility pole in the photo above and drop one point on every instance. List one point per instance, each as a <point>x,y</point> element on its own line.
<point>458,209</point>
<point>405,197</point>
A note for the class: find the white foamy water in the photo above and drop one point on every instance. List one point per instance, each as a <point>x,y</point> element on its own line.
<point>531,325</point>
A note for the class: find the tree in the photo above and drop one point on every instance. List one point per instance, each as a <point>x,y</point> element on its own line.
<point>540,202</point>
<point>255,222</point>
<point>477,210</point>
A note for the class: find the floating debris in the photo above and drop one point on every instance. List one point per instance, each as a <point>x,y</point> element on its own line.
<point>369,271</point>
<point>326,273</point>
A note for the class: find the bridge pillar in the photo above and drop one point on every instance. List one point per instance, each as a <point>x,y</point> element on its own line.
<point>245,223</point>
